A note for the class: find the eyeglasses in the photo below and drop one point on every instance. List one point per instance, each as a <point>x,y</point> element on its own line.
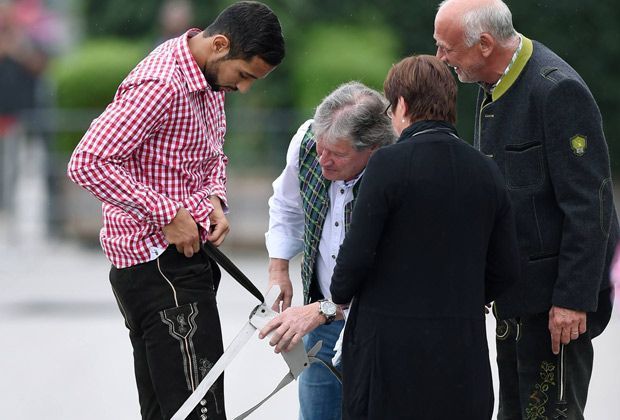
<point>388,111</point>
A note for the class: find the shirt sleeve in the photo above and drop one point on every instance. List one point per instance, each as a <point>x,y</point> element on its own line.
<point>138,109</point>
<point>284,239</point>
<point>198,204</point>
<point>578,162</point>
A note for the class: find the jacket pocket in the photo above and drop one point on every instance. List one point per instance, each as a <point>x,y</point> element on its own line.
<point>524,164</point>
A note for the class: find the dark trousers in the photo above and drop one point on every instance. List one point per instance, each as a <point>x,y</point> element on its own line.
<point>536,384</point>
<point>170,310</point>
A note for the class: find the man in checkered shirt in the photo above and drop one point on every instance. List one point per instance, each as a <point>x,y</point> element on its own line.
<point>154,158</point>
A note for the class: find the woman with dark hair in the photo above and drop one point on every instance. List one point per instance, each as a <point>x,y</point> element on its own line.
<point>432,240</point>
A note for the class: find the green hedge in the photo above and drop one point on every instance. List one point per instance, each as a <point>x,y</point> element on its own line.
<point>88,78</point>
<point>330,55</point>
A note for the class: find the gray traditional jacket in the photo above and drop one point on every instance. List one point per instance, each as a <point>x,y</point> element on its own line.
<point>543,128</point>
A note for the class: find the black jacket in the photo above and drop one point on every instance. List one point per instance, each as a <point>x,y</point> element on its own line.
<point>431,241</point>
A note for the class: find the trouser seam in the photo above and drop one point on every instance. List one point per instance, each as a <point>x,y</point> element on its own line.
<point>123,311</point>
<point>562,376</point>
<point>186,344</point>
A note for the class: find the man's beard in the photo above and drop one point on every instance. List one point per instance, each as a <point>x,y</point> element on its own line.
<point>211,76</point>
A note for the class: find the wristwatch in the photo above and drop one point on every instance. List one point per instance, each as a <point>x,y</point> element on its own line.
<point>327,308</point>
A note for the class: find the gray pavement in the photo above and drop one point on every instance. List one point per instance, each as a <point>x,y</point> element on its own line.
<point>66,354</point>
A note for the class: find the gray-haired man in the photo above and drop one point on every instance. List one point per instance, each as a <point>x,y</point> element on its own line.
<point>310,212</point>
<point>539,122</point>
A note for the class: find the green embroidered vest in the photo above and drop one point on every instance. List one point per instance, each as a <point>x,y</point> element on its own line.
<point>314,190</point>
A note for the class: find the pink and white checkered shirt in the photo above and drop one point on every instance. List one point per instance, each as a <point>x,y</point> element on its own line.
<point>156,148</point>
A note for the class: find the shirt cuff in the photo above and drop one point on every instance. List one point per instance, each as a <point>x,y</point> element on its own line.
<point>280,246</point>
<point>163,210</point>
<point>220,192</point>
<point>200,211</point>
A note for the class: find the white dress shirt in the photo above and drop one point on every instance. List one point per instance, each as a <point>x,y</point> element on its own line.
<point>286,216</point>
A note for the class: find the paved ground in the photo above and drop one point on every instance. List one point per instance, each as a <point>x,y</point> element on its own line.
<point>66,355</point>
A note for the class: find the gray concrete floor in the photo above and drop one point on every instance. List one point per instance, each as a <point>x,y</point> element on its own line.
<point>66,354</point>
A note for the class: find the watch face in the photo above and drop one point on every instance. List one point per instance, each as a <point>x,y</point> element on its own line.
<point>328,308</point>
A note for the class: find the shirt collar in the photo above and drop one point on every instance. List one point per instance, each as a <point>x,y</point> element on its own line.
<point>519,59</point>
<point>351,183</point>
<point>193,74</point>
<point>512,61</point>
<point>348,184</point>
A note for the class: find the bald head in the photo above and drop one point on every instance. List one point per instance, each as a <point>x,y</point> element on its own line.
<point>475,17</point>
<point>476,38</point>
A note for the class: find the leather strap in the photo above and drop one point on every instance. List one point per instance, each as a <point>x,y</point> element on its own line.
<point>296,359</point>
<point>232,269</point>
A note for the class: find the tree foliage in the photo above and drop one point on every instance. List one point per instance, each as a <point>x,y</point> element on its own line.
<point>329,42</point>
<point>88,78</point>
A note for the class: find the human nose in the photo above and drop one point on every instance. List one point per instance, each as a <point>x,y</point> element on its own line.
<point>440,54</point>
<point>323,158</point>
<point>244,86</point>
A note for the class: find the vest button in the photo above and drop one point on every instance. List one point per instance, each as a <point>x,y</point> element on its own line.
<point>333,257</point>
<point>341,190</point>
<point>337,224</point>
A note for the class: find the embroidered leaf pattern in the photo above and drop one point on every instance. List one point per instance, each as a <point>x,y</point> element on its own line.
<point>539,397</point>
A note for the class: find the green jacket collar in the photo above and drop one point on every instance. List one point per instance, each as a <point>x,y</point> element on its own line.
<point>515,70</point>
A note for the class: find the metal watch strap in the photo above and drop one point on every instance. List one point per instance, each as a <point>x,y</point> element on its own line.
<point>328,318</point>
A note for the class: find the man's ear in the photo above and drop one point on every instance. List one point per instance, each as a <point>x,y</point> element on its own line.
<point>220,45</point>
<point>487,44</point>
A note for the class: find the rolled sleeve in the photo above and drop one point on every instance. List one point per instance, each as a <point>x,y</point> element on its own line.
<point>198,204</point>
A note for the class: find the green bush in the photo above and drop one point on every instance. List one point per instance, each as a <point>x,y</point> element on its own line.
<point>87,80</point>
<point>330,55</point>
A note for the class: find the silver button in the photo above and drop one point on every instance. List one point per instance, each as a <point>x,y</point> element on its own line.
<point>203,402</point>
<point>204,410</point>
